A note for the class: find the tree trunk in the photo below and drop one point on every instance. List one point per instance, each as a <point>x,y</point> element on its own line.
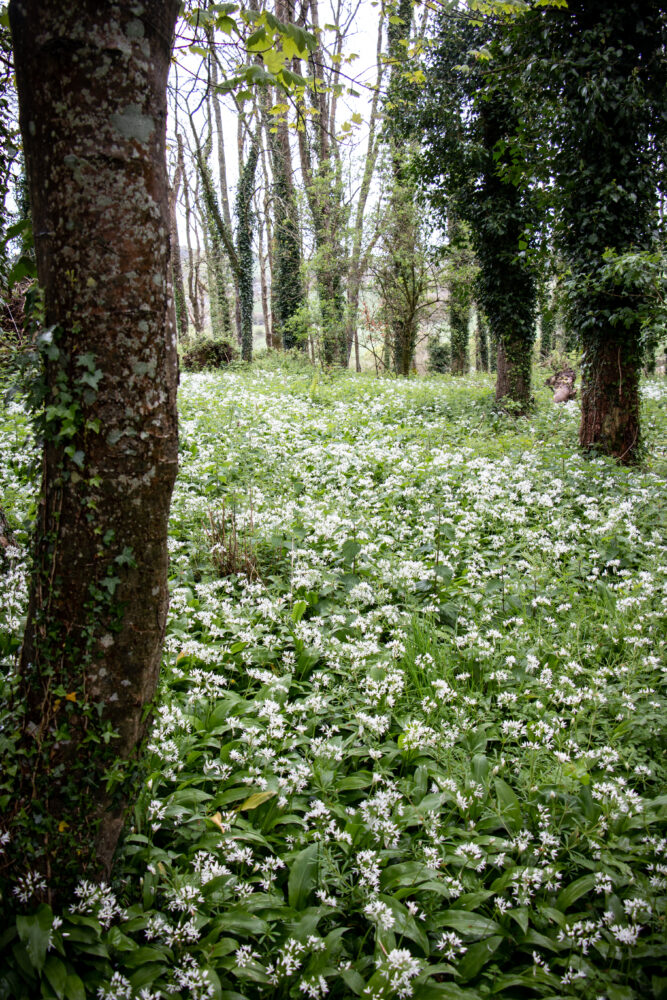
<point>244,194</point>
<point>177,267</point>
<point>610,406</point>
<point>92,80</point>
<point>483,339</point>
<point>459,320</point>
<point>513,375</point>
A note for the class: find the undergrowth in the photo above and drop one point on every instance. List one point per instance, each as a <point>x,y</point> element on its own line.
<point>416,746</point>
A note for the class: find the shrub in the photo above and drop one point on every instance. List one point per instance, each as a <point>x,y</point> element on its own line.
<point>439,357</point>
<point>207,353</point>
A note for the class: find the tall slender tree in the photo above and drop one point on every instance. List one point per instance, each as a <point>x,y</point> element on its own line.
<point>92,90</point>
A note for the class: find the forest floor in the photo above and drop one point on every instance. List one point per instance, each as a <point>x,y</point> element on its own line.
<point>410,736</point>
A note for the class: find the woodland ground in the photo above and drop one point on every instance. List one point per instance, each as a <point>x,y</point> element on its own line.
<point>418,748</point>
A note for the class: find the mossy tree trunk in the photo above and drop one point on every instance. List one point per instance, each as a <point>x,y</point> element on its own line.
<point>244,225</point>
<point>92,80</point>
<point>610,130</point>
<point>482,335</point>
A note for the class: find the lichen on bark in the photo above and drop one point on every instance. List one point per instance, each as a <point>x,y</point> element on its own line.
<point>92,81</point>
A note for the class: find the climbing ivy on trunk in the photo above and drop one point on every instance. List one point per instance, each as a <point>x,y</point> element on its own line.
<point>92,92</point>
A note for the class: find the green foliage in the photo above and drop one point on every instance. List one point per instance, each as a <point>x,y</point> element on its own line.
<point>439,356</point>
<point>244,227</point>
<point>208,352</point>
<point>474,167</point>
<point>423,750</point>
<point>601,71</point>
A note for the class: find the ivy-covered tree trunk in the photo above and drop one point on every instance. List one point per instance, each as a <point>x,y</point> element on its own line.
<point>322,171</point>
<point>92,80</point>
<point>287,286</point>
<point>459,318</point>
<point>482,335</point>
<point>610,402</point>
<point>513,372</point>
<point>474,152</point>
<point>501,219</point>
<point>610,130</point>
<point>244,247</point>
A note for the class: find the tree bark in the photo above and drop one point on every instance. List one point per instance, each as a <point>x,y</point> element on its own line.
<point>92,94</point>
<point>513,376</point>
<point>177,267</point>
<point>610,404</point>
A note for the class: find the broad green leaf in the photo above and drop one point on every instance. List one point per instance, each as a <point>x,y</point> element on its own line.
<point>56,974</point>
<point>147,974</point>
<point>35,933</point>
<point>477,956</point>
<point>471,924</point>
<point>350,549</point>
<point>571,893</point>
<point>74,988</point>
<point>443,991</point>
<point>303,876</point>
<point>510,810</point>
<point>255,800</point>
<point>298,610</point>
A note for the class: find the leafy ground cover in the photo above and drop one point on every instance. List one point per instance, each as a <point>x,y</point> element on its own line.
<point>416,747</point>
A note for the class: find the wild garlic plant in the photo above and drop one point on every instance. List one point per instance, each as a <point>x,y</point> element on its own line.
<point>420,755</point>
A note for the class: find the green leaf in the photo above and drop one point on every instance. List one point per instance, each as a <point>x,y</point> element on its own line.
<point>74,989</point>
<point>471,924</point>
<point>350,550</point>
<point>238,920</point>
<point>298,610</point>
<point>255,800</point>
<point>571,893</point>
<point>35,933</point>
<point>477,956</point>
<point>510,810</point>
<point>56,974</point>
<point>258,40</point>
<point>303,876</point>
<point>147,974</point>
<point>443,991</point>
<point>23,268</point>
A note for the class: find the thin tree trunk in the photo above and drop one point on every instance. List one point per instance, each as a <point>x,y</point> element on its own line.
<point>358,261</point>
<point>264,286</point>
<point>193,265</point>
<point>222,173</point>
<point>93,112</point>
<point>177,267</point>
